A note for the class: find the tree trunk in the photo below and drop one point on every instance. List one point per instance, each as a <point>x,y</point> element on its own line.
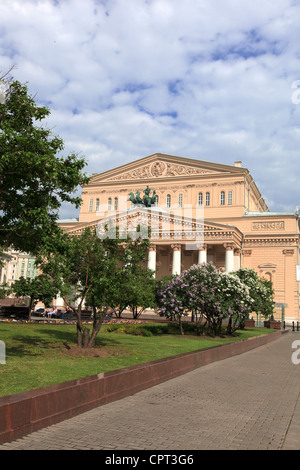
<point>30,309</point>
<point>98,320</point>
<point>79,336</point>
<point>86,334</point>
<point>180,325</point>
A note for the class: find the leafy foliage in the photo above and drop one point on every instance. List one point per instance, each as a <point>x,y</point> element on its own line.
<point>40,288</point>
<point>261,291</point>
<point>100,273</point>
<point>34,180</point>
<point>213,296</point>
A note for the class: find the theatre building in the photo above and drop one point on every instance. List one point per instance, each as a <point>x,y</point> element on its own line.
<point>202,212</point>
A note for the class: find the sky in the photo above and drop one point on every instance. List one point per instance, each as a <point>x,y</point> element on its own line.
<point>213,80</point>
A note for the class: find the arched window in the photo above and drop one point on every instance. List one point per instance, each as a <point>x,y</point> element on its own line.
<point>169,200</point>
<point>91,204</point>
<point>222,200</point>
<point>229,200</point>
<point>109,204</point>
<point>207,199</point>
<point>200,199</point>
<point>116,204</point>
<point>156,200</point>
<point>180,200</point>
<point>97,204</point>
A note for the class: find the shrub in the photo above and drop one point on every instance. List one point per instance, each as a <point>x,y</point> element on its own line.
<point>212,295</point>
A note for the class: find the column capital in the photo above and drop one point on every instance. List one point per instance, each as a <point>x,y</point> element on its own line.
<point>203,247</point>
<point>152,247</point>
<point>176,247</point>
<point>229,246</point>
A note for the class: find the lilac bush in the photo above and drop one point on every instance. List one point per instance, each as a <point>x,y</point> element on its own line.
<point>212,296</point>
<point>172,299</point>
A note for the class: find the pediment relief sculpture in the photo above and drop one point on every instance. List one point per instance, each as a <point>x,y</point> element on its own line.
<point>160,169</point>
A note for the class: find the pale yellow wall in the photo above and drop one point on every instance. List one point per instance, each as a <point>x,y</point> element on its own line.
<point>189,189</point>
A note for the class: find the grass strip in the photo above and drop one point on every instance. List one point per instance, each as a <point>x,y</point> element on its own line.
<point>38,355</point>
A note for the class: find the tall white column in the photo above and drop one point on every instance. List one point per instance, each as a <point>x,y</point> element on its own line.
<point>152,259</point>
<point>59,302</point>
<point>229,258</point>
<point>176,265</point>
<point>202,254</point>
<point>237,259</point>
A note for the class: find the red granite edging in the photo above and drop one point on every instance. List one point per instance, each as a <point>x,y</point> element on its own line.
<point>23,413</point>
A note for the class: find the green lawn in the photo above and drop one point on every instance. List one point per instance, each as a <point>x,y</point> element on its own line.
<point>38,355</point>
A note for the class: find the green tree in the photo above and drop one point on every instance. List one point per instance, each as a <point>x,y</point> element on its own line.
<point>80,266</point>
<point>261,291</point>
<point>84,269</point>
<point>34,178</point>
<point>139,291</point>
<point>41,288</point>
<point>132,283</point>
<point>5,290</point>
<point>138,284</point>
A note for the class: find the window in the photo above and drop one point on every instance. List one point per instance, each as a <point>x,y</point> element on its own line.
<point>97,204</point>
<point>200,199</point>
<point>230,197</point>
<point>207,199</point>
<point>180,200</point>
<point>222,201</point>
<point>169,200</point>
<point>109,204</point>
<point>156,200</point>
<point>268,276</point>
<point>116,204</point>
<point>91,204</point>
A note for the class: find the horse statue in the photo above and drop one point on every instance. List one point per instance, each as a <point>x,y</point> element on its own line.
<point>146,201</point>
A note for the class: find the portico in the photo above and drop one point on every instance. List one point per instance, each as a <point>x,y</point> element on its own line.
<point>172,259</point>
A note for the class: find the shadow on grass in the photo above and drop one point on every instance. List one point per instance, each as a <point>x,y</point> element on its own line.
<point>36,345</point>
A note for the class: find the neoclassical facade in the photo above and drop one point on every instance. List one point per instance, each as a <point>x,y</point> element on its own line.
<point>203,212</point>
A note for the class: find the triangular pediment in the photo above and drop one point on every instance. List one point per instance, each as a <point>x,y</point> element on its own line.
<point>165,226</point>
<point>160,166</point>
<point>267,266</point>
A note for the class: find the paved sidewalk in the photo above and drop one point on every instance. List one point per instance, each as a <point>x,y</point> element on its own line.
<point>248,402</point>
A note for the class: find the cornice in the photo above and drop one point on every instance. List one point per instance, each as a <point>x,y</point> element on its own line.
<point>276,239</point>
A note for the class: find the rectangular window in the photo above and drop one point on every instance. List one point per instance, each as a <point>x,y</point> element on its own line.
<point>230,197</point>
<point>207,199</point>
<point>91,204</point>
<point>222,198</point>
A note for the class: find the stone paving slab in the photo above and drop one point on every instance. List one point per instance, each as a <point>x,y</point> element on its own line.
<point>247,402</point>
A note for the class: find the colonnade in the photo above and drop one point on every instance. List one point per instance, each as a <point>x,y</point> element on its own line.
<point>232,262</point>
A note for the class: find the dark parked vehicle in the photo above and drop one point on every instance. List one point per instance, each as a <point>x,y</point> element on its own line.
<point>39,312</point>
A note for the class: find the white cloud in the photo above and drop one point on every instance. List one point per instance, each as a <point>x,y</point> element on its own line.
<point>202,79</point>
